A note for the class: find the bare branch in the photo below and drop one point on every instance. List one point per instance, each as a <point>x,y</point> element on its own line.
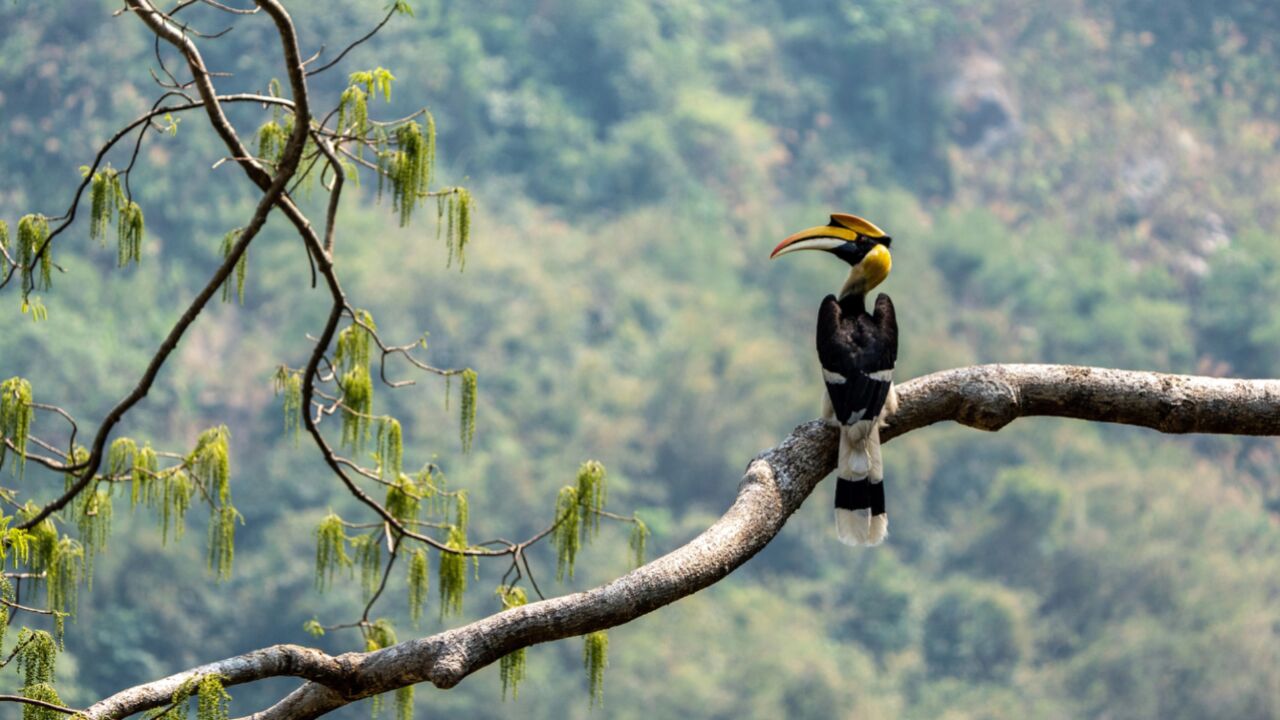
<point>275,661</point>
<point>390,13</point>
<point>38,703</point>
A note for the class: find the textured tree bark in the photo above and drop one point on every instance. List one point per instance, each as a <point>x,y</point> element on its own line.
<point>775,484</point>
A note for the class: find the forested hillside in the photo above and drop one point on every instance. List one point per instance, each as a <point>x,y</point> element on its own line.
<point>1068,181</point>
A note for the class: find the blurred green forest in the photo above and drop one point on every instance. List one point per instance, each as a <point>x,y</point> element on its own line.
<point>1074,181</point>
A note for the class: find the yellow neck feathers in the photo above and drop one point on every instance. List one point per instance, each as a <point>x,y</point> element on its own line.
<point>869,273</point>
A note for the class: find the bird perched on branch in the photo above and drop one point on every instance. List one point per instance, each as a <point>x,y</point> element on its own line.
<point>857,351</point>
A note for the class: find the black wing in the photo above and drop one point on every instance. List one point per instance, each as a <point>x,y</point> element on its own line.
<point>852,346</point>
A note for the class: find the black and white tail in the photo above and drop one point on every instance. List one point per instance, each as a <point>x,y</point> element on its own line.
<point>859,502</point>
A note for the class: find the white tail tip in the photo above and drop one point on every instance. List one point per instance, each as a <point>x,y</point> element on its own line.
<point>879,528</point>
<point>859,528</point>
<point>853,527</point>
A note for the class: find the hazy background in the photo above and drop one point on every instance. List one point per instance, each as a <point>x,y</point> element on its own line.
<point>1066,181</point>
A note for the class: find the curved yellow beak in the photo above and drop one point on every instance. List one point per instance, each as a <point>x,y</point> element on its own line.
<point>822,237</point>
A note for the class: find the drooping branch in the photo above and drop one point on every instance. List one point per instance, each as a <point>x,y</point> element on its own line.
<point>774,486</point>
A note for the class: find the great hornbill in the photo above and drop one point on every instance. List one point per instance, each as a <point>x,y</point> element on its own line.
<point>857,351</point>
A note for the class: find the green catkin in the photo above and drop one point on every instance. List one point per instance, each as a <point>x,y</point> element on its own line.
<point>354,346</point>
<point>431,147</point>
<point>35,655</point>
<point>353,112</point>
<point>377,636</point>
<point>289,384</point>
<point>222,536</point>
<point>210,464</point>
<point>33,231</point>
<point>390,448</point>
<point>419,584</point>
<point>174,500</point>
<point>430,486</point>
<point>461,511</point>
<point>460,227</point>
<point>591,497</point>
<point>105,197</point>
<point>377,80</point>
<point>467,419</point>
<point>451,218</point>
<point>403,501</point>
<point>41,541</point>
<point>331,550</point>
<point>43,692</point>
<point>65,570</point>
<point>357,402</point>
<point>595,658</point>
<point>566,537</point>
<point>98,212</point>
<point>511,667</point>
<point>16,416</point>
<point>93,518</point>
<point>352,358</point>
<point>242,266</point>
<point>130,228</point>
<point>37,309</point>
<point>404,703</point>
<point>211,698</point>
<point>381,634</point>
<point>441,205</point>
<point>410,169</point>
<point>368,555</point>
<point>210,461</point>
<point>272,138</point>
<point>6,594</point>
<point>120,457</point>
<point>179,702</point>
<point>384,168</point>
<point>638,540</point>
<point>4,245</point>
<point>453,574</point>
<point>145,467</point>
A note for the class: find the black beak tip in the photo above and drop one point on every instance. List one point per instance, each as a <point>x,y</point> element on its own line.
<point>886,241</point>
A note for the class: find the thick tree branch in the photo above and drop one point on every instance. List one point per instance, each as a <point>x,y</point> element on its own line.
<point>275,661</point>
<point>774,486</point>
<point>988,397</point>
